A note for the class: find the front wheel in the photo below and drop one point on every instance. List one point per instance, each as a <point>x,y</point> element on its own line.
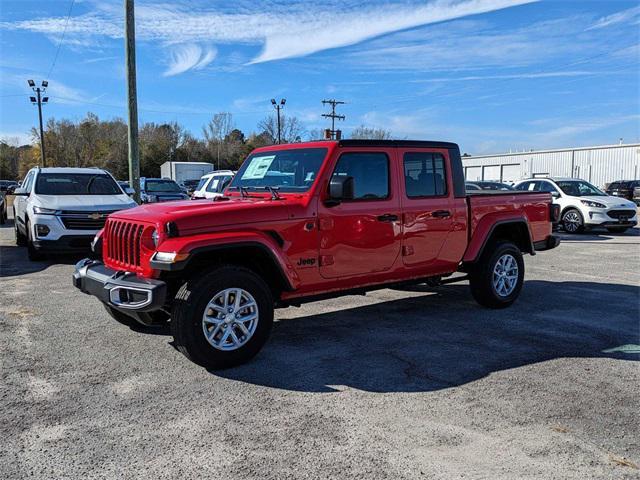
<point>21,240</point>
<point>572,221</point>
<point>496,280</point>
<point>32,251</point>
<point>223,318</point>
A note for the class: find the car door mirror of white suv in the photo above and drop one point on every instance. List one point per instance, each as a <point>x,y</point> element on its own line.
<point>20,192</point>
<point>555,194</point>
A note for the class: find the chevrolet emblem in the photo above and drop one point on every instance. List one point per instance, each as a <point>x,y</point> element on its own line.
<point>95,216</point>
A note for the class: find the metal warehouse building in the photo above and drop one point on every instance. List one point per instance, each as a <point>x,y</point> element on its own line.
<point>598,165</point>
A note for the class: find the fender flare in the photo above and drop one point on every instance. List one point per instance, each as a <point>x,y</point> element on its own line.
<point>476,247</point>
<point>219,242</point>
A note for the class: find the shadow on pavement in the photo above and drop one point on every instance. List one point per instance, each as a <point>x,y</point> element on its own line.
<point>443,340</point>
<point>14,260</point>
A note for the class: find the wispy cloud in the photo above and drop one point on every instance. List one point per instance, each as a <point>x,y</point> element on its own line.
<point>624,16</point>
<point>189,57</point>
<point>283,30</point>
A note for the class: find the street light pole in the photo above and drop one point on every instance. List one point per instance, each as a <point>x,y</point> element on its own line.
<point>132,124</point>
<point>39,100</point>
<point>278,106</point>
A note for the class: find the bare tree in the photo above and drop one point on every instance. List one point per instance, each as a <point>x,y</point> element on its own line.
<point>370,133</point>
<point>215,132</point>
<point>291,128</point>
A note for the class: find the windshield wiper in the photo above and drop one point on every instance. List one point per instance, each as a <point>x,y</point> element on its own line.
<point>272,190</point>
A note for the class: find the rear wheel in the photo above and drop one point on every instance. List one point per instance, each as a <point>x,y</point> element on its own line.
<point>222,319</point>
<point>572,221</point>
<point>496,280</point>
<point>617,229</point>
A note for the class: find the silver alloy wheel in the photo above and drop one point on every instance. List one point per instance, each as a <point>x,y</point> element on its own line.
<point>505,275</point>
<point>572,222</point>
<point>230,319</point>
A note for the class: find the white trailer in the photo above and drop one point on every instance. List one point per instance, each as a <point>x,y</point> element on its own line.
<point>182,171</point>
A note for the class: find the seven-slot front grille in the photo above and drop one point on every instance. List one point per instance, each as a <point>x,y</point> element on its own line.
<point>123,241</point>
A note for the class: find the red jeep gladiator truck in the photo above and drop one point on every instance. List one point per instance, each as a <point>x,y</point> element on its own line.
<point>308,221</point>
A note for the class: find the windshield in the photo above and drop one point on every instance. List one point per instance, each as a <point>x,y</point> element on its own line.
<point>201,183</point>
<point>163,186</point>
<point>218,184</point>
<point>76,184</point>
<point>580,188</point>
<point>288,170</point>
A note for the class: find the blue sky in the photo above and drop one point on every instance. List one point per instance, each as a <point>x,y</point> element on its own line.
<point>492,75</point>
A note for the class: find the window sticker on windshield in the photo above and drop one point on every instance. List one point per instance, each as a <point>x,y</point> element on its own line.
<point>258,168</point>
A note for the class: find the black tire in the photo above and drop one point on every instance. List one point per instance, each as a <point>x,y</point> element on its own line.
<point>21,240</point>
<point>572,221</point>
<point>189,307</point>
<point>617,229</point>
<point>3,216</point>
<point>33,254</point>
<point>481,276</point>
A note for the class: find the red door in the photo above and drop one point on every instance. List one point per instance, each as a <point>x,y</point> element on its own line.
<point>363,235</point>
<point>427,206</point>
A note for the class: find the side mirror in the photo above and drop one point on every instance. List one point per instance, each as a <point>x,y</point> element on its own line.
<point>555,194</point>
<point>20,192</point>
<point>340,188</point>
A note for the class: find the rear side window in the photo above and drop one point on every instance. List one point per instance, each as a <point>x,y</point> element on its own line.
<point>370,172</point>
<point>424,174</point>
<point>526,186</point>
<point>546,187</point>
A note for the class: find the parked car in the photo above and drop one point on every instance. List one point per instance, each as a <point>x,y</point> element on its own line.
<point>487,185</point>
<point>126,187</point>
<point>189,186</point>
<point>306,221</point>
<point>154,190</point>
<point>636,196</point>
<point>62,209</point>
<point>3,208</point>
<point>623,189</point>
<point>8,186</point>
<point>213,184</point>
<point>583,206</point>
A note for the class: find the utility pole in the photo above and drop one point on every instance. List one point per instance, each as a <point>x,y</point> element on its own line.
<point>130,53</point>
<point>279,106</point>
<point>39,100</point>
<point>333,133</point>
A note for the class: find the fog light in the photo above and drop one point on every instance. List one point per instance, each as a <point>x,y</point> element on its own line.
<point>42,230</point>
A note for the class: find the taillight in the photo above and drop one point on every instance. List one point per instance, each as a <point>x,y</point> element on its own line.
<point>554,212</point>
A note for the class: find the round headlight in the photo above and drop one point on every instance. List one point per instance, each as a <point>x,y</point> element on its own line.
<point>155,236</point>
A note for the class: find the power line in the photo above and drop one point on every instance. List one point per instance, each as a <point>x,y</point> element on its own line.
<point>64,33</point>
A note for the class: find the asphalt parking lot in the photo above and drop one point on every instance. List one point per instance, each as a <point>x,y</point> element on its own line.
<point>413,383</point>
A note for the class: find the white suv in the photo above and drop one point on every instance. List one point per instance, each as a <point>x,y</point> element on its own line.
<point>61,209</point>
<point>213,184</point>
<point>583,206</point>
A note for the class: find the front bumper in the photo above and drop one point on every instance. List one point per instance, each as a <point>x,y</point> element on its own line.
<point>64,244</point>
<point>123,291</point>
<point>552,241</point>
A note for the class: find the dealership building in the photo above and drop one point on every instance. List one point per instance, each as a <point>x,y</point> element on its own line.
<point>598,165</point>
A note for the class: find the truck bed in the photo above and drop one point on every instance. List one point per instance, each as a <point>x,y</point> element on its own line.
<point>488,209</point>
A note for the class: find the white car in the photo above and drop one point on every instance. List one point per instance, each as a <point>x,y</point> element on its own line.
<point>213,184</point>
<point>583,206</point>
<point>61,209</point>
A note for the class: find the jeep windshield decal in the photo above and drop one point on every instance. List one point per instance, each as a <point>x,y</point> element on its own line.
<point>292,170</point>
